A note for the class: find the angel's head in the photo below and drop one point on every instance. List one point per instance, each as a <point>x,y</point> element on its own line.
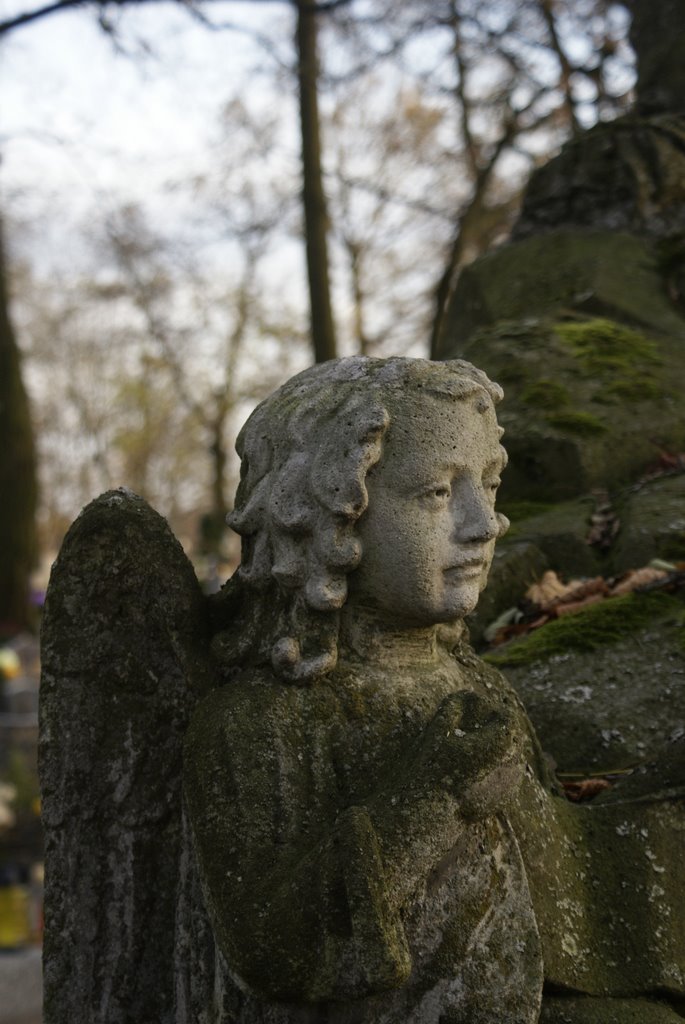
<point>369,482</point>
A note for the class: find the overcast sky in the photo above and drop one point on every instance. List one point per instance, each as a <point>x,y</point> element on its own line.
<point>79,118</point>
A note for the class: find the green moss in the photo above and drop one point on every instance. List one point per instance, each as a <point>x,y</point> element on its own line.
<point>511,376</point>
<point>594,1010</point>
<point>671,254</point>
<point>594,627</point>
<point>533,329</point>
<point>545,394</point>
<point>603,345</point>
<point>673,546</point>
<point>515,511</point>
<point>581,423</point>
<point>635,388</point>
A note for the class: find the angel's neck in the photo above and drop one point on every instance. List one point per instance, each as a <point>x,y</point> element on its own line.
<point>365,634</point>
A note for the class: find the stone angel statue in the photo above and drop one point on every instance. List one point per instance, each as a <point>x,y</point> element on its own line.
<point>305,799</point>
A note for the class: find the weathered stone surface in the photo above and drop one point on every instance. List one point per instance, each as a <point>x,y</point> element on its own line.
<point>588,402</point>
<point>404,948</point>
<point>623,175</point>
<point>607,885</point>
<point>652,524</point>
<point>606,1011</point>
<point>122,663</point>
<point>374,824</point>
<point>612,707</point>
<point>545,275</point>
<point>351,829</point>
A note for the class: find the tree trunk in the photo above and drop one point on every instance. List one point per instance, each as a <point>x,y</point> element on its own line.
<point>18,489</point>
<point>213,523</point>
<point>658,36</point>
<point>313,196</point>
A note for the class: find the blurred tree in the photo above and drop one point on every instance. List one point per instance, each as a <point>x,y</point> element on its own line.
<point>422,123</point>
<point>143,368</point>
<point>315,207</point>
<point>514,80</point>
<point>658,35</point>
<point>442,109</point>
<point>17,476</point>
<point>512,71</point>
<point>306,69</point>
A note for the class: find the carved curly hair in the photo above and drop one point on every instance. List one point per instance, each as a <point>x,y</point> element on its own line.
<point>305,453</point>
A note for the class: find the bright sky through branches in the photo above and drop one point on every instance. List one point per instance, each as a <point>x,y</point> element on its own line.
<point>76,115</point>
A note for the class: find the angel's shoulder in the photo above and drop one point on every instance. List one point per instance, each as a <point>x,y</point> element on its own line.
<point>255,708</point>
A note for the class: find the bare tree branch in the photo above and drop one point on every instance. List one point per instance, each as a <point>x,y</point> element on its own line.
<point>388,196</point>
<point>262,40</point>
<point>547,8</point>
<point>468,216</point>
<point>26,17</point>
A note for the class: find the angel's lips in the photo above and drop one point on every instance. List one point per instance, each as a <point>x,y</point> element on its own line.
<point>465,570</point>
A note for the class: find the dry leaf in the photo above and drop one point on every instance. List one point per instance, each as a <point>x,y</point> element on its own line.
<point>506,633</point>
<point>584,588</point>
<point>549,589</point>
<point>637,578</point>
<point>585,789</point>
<point>569,607</point>
<point>550,592</point>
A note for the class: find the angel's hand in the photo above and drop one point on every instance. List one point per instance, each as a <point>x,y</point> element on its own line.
<point>472,748</point>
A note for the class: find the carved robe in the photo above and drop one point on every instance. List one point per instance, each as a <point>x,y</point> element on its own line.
<point>339,887</point>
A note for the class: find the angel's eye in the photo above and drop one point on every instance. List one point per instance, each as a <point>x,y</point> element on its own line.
<point>438,492</point>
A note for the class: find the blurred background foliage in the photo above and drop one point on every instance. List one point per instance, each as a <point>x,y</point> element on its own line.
<point>356,156</point>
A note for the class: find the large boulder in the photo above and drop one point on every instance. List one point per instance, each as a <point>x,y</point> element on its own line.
<point>653,524</point>
<point>589,401</point>
<point>605,688</point>
<point>583,272</point>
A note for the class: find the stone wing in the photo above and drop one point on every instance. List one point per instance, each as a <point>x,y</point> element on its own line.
<point>124,660</point>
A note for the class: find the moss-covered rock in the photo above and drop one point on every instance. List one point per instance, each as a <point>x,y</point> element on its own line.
<point>587,402</point>
<point>584,271</point>
<point>514,568</point>
<point>652,524</point>
<point>608,709</point>
<point>588,1010</point>
<point>623,175</point>
<point>560,531</point>
<point>602,344</point>
<point>588,630</point>
<point>585,332</point>
<point>605,688</point>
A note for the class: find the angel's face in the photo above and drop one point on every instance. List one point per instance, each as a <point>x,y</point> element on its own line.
<point>429,532</point>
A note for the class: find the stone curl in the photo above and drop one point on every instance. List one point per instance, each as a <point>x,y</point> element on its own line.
<point>305,454</point>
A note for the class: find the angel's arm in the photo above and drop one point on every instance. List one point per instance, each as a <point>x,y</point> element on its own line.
<point>318,916</point>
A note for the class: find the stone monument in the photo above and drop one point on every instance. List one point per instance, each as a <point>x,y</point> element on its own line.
<point>581,317</point>
<point>305,799</point>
